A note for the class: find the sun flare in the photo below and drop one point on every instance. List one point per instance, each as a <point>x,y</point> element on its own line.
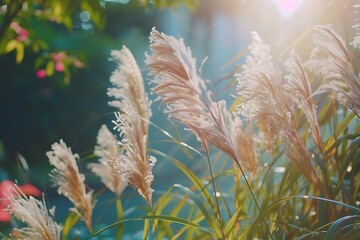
<point>287,7</point>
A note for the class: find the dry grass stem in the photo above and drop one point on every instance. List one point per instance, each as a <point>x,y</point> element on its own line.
<point>34,213</point>
<point>188,101</point>
<point>70,182</point>
<point>109,152</point>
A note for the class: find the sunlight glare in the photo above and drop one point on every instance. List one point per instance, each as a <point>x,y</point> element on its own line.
<point>287,7</point>
<point>279,169</point>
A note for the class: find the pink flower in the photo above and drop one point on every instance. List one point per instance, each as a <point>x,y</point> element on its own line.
<point>59,66</point>
<point>79,64</point>
<point>41,73</point>
<point>22,32</point>
<point>15,26</point>
<point>57,57</point>
<point>7,190</point>
<point>23,35</point>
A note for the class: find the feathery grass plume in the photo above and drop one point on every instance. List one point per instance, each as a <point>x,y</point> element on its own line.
<point>333,62</point>
<point>34,213</point>
<point>260,60</point>
<point>70,182</point>
<point>188,101</point>
<point>136,165</point>
<point>109,153</point>
<point>133,124</point>
<point>129,86</point>
<point>299,87</point>
<point>264,99</point>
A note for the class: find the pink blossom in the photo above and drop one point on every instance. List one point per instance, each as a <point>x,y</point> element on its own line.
<point>23,34</point>
<point>57,57</point>
<point>41,73</point>
<point>59,66</point>
<point>79,64</point>
<point>6,190</point>
<point>15,26</point>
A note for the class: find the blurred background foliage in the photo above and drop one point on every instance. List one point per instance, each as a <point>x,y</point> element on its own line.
<point>70,41</point>
<point>54,64</point>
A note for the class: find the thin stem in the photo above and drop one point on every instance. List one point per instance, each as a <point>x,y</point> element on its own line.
<point>120,215</point>
<point>215,194</point>
<point>253,196</point>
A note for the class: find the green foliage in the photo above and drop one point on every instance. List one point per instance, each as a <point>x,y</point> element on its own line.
<point>17,34</point>
<point>190,4</point>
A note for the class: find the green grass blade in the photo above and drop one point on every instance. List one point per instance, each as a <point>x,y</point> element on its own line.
<point>276,206</point>
<point>183,229</point>
<point>331,232</point>
<point>120,215</point>
<point>344,124</point>
<point>70,222</point>
<point>230,224</point>
<point>159,206</point>
<point>156,217</point>
<point>3,236</point>
<point>196,181</point>
<point>326,113</point>
<point>210,219</point>
<point>146,229</point>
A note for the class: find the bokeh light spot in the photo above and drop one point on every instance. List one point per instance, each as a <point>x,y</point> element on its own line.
<point>84,16</point>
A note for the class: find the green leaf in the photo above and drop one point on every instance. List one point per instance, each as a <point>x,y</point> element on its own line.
<point>70,222</point>
<point>191,176</point>
<point>327,111</point>
<point>331,232</point>
<point>275,206</point>
<point>182,230</point>
<point>38,62</point>
<point>160,204</point>
<point>210,219</point>
<point>57,11</point>
<point>357,186</point>
<point>230,224</point>
<point>49,68</point>
<point>344,124</point>
<point>67,21</point>
<point>190,4</point>
<point>156,217</point>
<point>146,229</point>
<point>4,237</point>
<point>20,51</point>
<point>11,45</point>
